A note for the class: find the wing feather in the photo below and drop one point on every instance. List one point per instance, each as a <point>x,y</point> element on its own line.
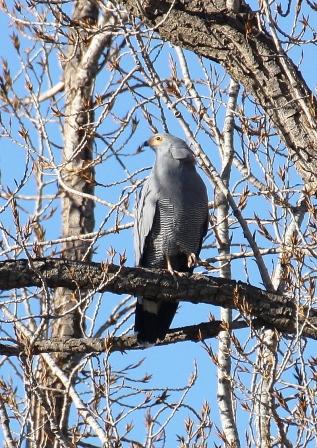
<point>144,217</point>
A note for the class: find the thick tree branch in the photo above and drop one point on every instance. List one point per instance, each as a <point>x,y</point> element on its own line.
<point>273,309</point>
<point>76,346</point>
<point>251,57</point>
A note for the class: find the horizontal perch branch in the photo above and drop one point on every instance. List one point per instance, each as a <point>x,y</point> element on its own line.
<point>273,309</point>
<point>194,333</point>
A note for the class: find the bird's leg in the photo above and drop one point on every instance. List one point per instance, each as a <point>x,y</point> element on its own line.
<point>191,260</point>
<point>169,266</point>
<point>173,273</point>
<point>170,269</point>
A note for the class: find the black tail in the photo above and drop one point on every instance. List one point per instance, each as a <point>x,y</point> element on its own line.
<point>152,320</point>
<point>150,326</point>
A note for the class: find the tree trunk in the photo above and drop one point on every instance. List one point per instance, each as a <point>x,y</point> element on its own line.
<point>225,384</point>
<point>76,177</point>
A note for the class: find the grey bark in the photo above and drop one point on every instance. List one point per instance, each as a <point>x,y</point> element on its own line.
<point>224,392</point>
<point>9,441</point>
<point>267,357</point>
<point>77,175</point>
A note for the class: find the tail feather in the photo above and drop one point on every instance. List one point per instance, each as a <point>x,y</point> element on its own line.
<point>152,320</point>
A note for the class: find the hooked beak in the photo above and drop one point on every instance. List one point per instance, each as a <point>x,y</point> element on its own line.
<point>142,146</point>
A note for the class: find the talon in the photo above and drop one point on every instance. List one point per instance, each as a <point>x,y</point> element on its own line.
<point>180,274</point>
<point>192,260</point>
<point>173,273</point>
<point>171,270</point>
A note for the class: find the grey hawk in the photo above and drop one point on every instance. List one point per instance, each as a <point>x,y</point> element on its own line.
<point>171,220</point>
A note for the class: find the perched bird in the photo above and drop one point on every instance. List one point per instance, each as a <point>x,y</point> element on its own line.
<point>170,222</point>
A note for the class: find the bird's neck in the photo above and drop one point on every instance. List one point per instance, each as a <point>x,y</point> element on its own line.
<point>170,166</point>
<point>173,175</point>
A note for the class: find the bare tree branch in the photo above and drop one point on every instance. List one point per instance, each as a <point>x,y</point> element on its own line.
<point>249,55</point>
<point>4,422</point>
<point>225,392</point>
<point>75,346</point>
<point>274,309</point>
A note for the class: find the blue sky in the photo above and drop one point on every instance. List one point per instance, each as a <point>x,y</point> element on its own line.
<point>169,366</point>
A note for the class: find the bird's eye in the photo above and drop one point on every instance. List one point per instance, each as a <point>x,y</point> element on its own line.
<point>158,138</point>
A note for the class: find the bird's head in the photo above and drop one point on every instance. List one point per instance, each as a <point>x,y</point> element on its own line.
<point>155,141</point>
<point>166,144</point>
